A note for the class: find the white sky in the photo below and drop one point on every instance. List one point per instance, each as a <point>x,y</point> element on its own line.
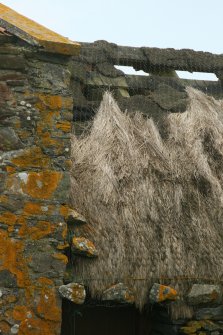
<point>194,24</point>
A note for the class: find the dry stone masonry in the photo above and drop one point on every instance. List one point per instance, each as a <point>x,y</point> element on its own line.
<point>35,124</point>
<point>42,90</point>
<point>162,92</point>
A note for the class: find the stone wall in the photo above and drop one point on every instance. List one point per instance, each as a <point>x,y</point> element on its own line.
<point>36,104</point>
<point>198,311</point>
<point>35,124</point>
<point>161,92</point>
<point>200,307</point>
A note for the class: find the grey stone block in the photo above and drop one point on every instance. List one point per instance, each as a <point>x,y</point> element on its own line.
<point>203,294</point>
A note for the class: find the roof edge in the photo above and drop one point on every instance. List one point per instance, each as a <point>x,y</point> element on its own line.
<point>36,34</point>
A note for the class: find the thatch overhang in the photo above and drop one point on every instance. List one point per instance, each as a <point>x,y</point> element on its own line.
<point>154,204</point>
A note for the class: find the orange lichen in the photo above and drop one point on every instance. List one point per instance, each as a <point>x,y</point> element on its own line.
<point>45,281</point>
<point>30,31</point>
<point>85,246</point>
<point>11,298</point>
<point>61,257</point>
<point>43,289</point>
<point>42,229</point>
<point>129,298</point>
<point>32,157</point>
<point>64,210</point>
<point>13,259</point>
<point>36,327</point>
<point>3,199</point>
<point>8,218</point>
<point>48,305</point>
<point>7,299</point>
<point>64,232</point>
<point>20,312</point>
<point>46,139</point>
<point>42,185</point>
<point>62,246</point>
<point>5,327</point>
<point>31,208</point>
<point>48,118</point>
<point>65,126</point>
<point>53,102</point>
<point>10,169</point>
<point>21,220</point>
<point>167,293</point>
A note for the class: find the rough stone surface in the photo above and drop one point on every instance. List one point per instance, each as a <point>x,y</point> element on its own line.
<point>82,246</point>
<point>154,95</point>
<point>35,100</point>
<point>119,293</point>
<point>211,313</point>
<point>7,279</point>
<point>36,105</point>
<point>203,294</point>
<point>170,99</point>
<point>201,327</point>
<point>74,292</point>
<point>160,293</point>
<point>74,217</point>
<point>9,140</point>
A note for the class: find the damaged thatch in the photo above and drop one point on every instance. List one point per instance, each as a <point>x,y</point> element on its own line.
<point>154,206</point>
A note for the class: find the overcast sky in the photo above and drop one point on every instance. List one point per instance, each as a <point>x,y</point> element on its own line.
<point>194,24</point>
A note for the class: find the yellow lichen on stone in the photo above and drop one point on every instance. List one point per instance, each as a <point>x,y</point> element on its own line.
<point>167,293</point>
<point>10,169</point>
<point>13,259</point>
<point>48,307</point>
<point>129,298</point>
<point>20,312</point>
<point>8,218</point>
<point>41,185</point>
<point>62,246</point>
<point>61,257</point>
<point>84,246</point>
<point>5,327</point>
<point>194,326</point>
<point>65,126</point>
<point>64,210</point>
<point>40,230</point>
<point>35,33</point>
<point>53,102</point>
<point>44,281</point>
<point>74,292</point>
<point>32,157</point>
<point>33,208</point>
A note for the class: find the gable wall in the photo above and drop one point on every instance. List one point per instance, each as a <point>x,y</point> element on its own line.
<point>35,124</point>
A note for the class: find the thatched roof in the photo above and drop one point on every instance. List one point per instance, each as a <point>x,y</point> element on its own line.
<point>154,206</point>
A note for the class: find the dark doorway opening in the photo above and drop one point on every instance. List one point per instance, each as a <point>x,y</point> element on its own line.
<point>104,320</point>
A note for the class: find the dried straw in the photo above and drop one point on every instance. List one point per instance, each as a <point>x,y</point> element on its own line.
<point>154,206</point>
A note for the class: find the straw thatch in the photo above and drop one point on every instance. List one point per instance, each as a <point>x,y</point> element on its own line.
<point>154,206</point>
